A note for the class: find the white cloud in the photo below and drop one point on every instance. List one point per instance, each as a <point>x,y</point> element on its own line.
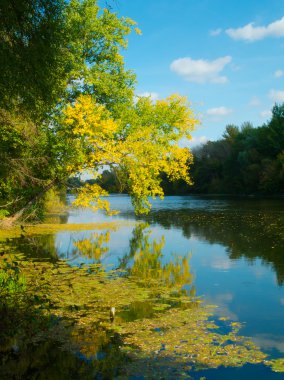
<point>223,301</point>
<point>279,73</point>
<point>201,70</point>
<point>268,342</point>
<point>266,114</point>
<point>222,263</point>
<point>219,111</point>
<point>215,32</point>
<point>276,95</point>
<point>152,95</point>
<point>252,33</point>
<point>254,102</point>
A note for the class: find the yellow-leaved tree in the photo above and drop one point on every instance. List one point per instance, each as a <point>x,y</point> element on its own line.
<point>80,114</point>
<point>140,144</point>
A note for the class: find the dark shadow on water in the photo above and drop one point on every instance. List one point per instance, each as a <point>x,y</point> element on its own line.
<point>36,347</point>
<point>249,232</point>
<point>39,247</point>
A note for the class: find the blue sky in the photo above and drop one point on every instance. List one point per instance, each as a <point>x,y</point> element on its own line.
<point>226,56</point>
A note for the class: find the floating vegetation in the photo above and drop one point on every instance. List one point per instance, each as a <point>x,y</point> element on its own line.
<point>277,365</point>
<point>46,229</point>
<point>157,325</point>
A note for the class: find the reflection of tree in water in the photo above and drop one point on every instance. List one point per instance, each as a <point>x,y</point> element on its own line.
<point>40,247</point>
<point>82,301</point>
<point>146,261</point>
<point>252,235</point>
<point>92,247</point>
<point>35,345</point>
<point>45,360</point>
<point>159,327</point>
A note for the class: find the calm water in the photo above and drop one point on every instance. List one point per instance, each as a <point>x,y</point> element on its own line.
<point>237,254</point>
<point>236,249</point>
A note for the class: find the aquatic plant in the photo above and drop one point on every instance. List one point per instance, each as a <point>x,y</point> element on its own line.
<point>158,325</point>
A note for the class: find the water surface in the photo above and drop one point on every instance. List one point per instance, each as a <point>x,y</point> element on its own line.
<point>235,248</point>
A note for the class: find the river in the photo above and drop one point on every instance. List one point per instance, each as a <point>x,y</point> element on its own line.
<point>235,251</point>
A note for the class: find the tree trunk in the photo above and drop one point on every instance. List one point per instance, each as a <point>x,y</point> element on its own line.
<point>10,221</point>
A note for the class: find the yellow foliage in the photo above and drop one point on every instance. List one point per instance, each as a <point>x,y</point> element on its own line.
<point>141,144</point>
<point>138,31</point>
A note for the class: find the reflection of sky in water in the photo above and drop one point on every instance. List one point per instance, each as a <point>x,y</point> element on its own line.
<point>244,289</point>
<point>118,246</point>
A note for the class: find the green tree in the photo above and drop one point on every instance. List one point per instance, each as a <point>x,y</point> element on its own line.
<point>33,54</point>
<point>51,50</point>
<point>65,67</point>
<point>246,160</point>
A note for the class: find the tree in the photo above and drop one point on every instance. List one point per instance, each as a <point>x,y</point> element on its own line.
<point>70,106</point>
<point>51,50</point>
<point>246,160</point>
<point>140,146</point>
<point>33,54</point>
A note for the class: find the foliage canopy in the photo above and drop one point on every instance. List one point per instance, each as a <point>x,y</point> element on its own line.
<point>67,105</point>
<point>246,160</point>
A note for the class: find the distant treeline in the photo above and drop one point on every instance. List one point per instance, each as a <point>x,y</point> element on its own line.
<point>245,161</point>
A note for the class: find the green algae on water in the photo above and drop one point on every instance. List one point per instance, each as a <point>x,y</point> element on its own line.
<point>160,324</point>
